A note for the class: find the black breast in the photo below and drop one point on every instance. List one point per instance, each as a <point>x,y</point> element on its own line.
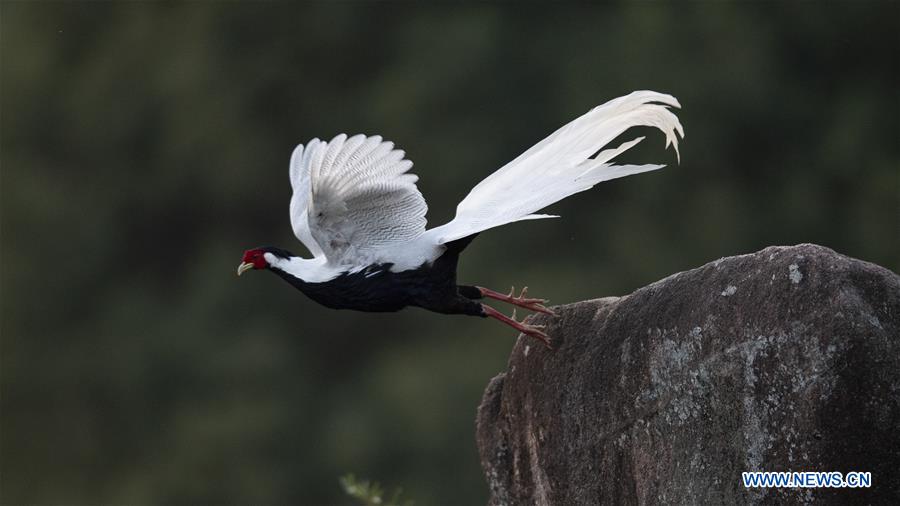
<point>375,288</point>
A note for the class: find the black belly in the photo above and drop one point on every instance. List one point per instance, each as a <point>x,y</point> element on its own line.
<point>378,289</point>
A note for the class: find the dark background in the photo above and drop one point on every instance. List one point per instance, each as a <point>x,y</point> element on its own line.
<point>145,146</point>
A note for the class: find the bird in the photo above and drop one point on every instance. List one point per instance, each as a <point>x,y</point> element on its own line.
<point>357,209</point>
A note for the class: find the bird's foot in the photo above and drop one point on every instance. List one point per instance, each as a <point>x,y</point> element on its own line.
<point>535,331</point>
<point>521,300</point>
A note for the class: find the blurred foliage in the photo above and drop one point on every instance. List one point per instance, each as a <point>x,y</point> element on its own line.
<point>371,493</point>
<point>144,146</point>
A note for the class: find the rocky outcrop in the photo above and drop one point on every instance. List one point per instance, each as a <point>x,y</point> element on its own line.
<point>787,359</point>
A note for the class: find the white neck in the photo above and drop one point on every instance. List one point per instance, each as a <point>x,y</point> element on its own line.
<point>311,270</point>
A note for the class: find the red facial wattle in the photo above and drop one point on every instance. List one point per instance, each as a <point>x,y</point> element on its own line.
<point>253,258</point>
<point>256,257</point>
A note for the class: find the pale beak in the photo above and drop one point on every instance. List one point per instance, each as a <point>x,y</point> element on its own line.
<point>245,266</point>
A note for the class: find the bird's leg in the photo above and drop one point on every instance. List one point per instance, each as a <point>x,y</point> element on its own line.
<point>531,330</point>
<point>521,301</point>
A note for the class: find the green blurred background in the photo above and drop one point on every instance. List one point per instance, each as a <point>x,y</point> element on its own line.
<point>145,146</point>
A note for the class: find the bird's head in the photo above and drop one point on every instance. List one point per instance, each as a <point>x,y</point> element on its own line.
<point>253,259</point>
<point>256,258</point>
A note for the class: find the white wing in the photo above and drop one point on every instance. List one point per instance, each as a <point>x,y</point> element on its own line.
<point>300,200</point>
<point>561,165</point>
<point>353,197</point>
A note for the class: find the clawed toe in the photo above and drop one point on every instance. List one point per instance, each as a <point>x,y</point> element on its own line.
<point>521,298</point>
<point>531,304</point>
<point>535,331</point>
<point>540,308</point>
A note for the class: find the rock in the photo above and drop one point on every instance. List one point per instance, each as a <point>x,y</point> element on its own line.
<point>787,359</point>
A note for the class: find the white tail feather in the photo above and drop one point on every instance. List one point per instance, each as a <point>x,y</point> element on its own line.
<point>561,165</point>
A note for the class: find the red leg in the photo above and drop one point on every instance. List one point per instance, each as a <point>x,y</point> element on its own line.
<point>521,301</point>
<point>531,330</point>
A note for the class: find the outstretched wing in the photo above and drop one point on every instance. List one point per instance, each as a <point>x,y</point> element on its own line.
<point>353,197</point>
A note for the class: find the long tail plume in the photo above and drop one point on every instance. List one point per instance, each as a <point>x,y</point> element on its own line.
<point>562,164</point>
